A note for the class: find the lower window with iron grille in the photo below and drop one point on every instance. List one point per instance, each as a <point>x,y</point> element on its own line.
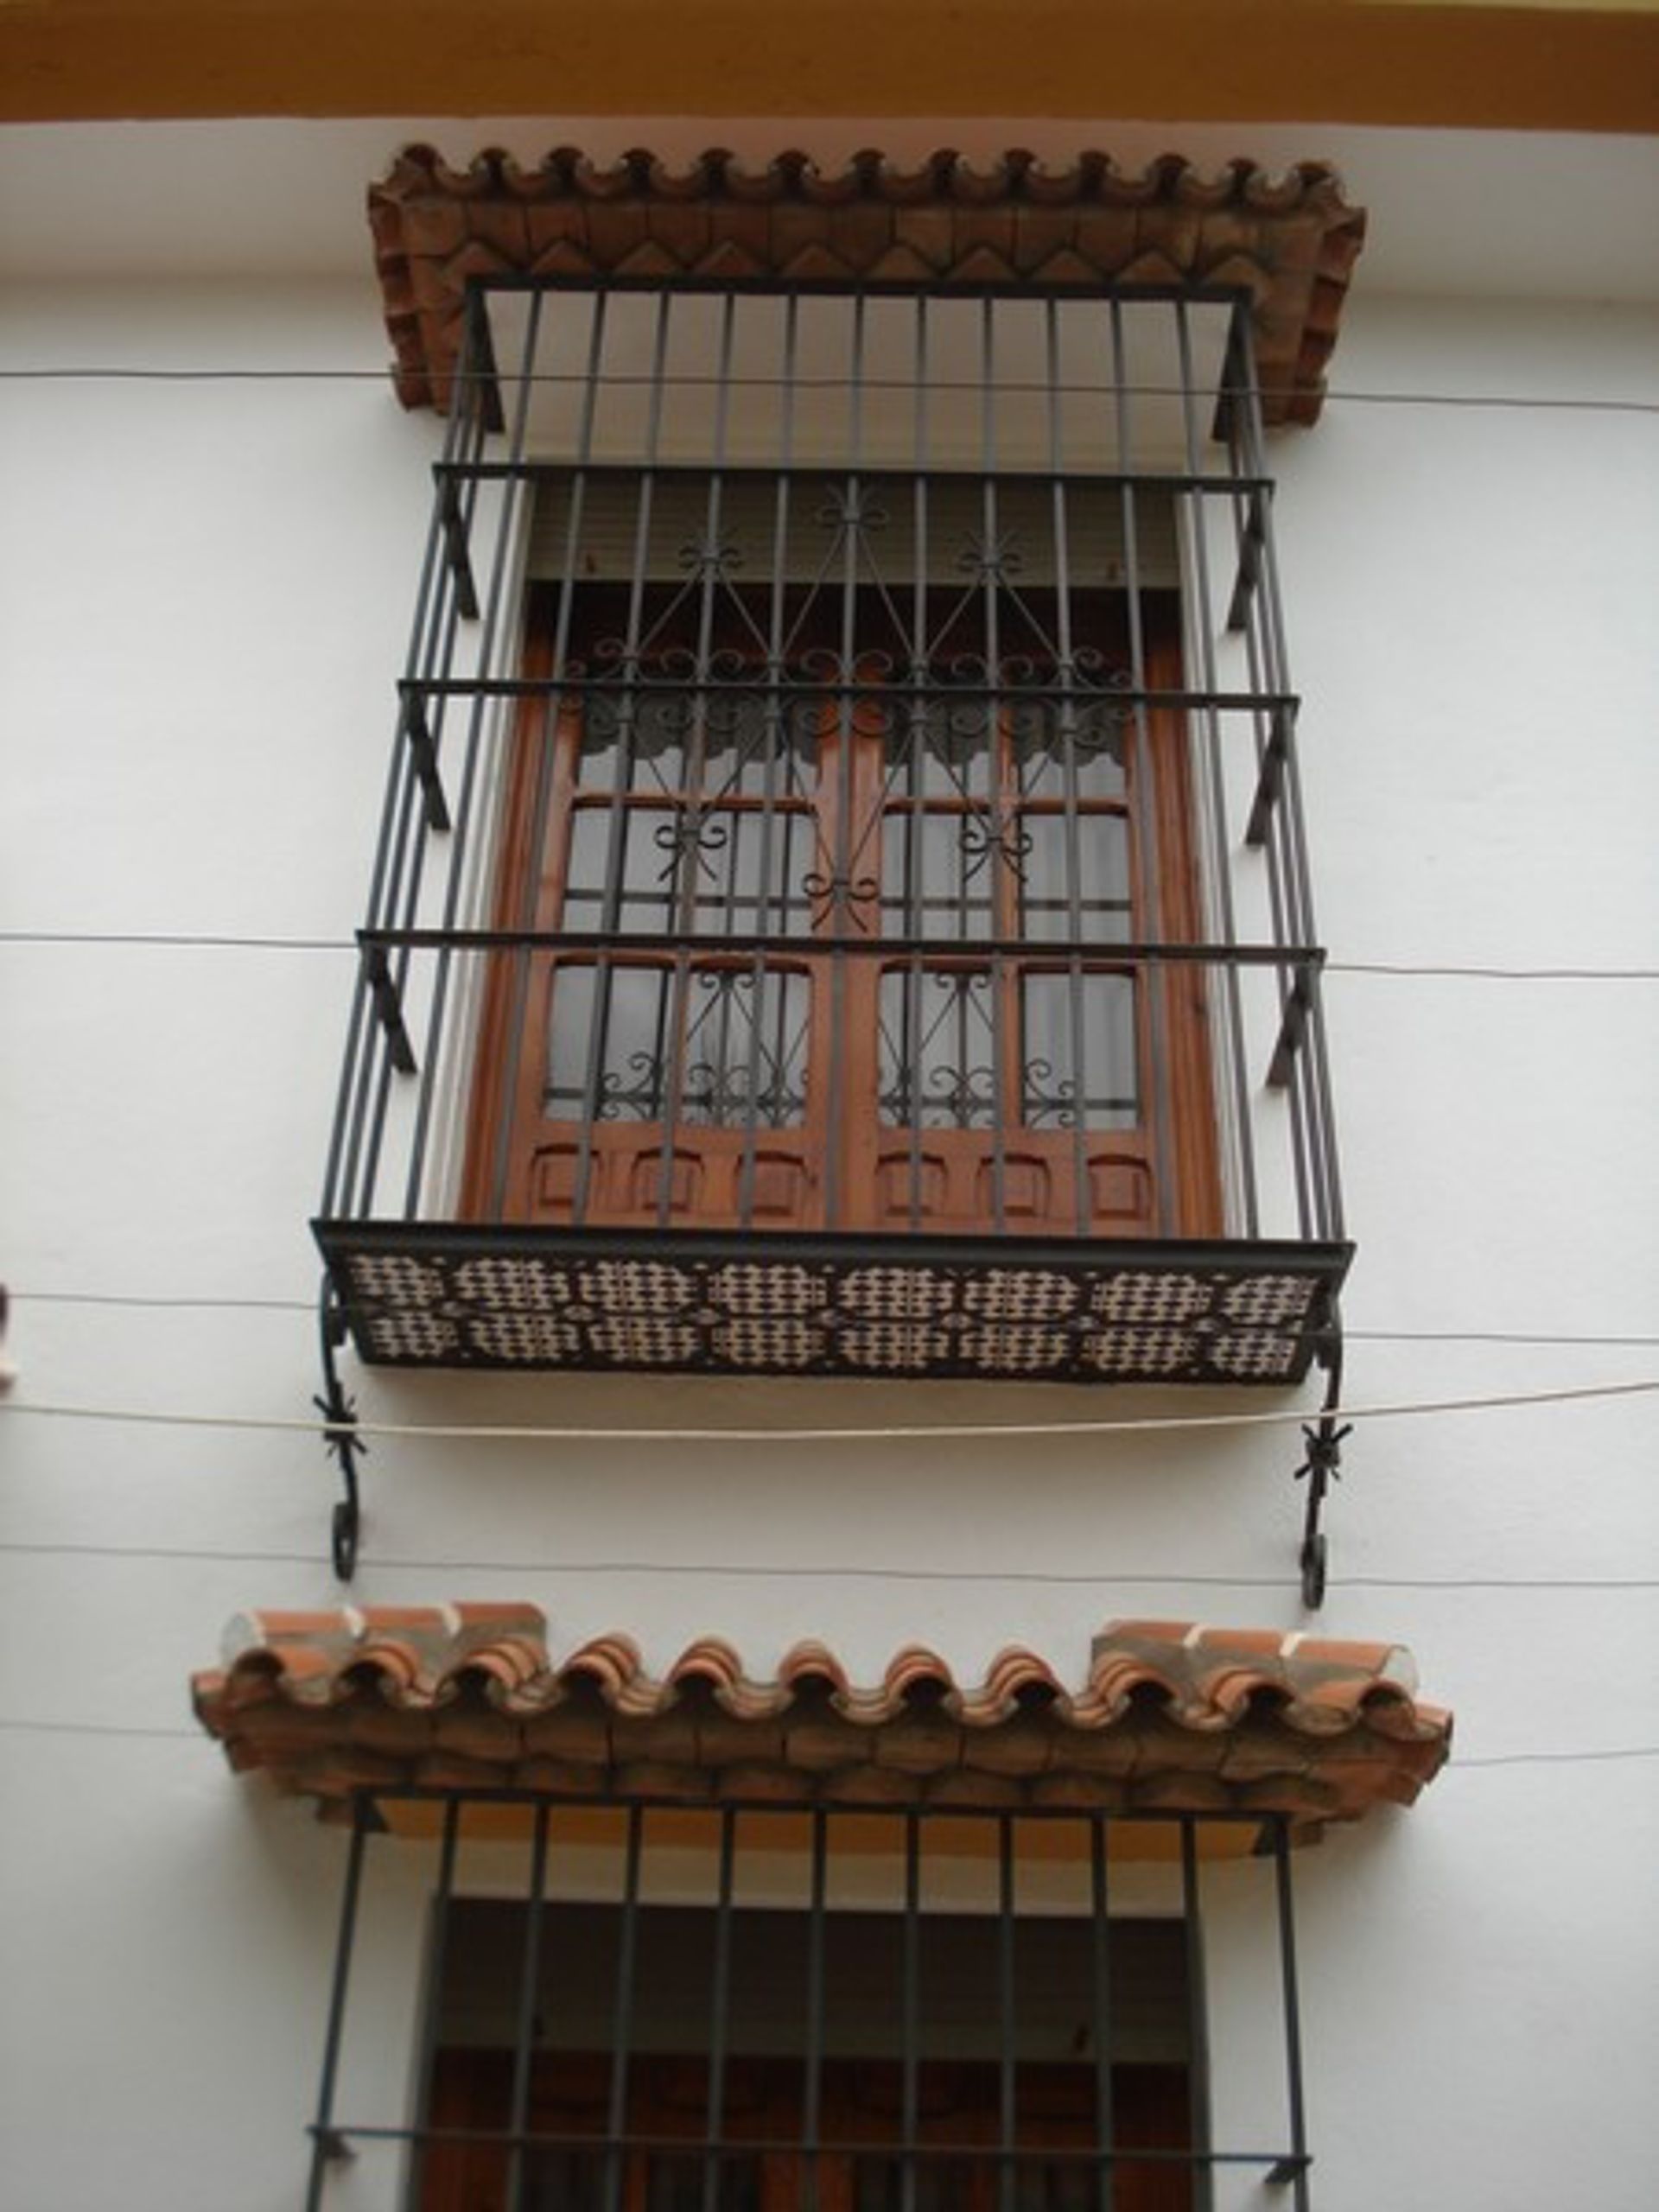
<point>654,2008</point>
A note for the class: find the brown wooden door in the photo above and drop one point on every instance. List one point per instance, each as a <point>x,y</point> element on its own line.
<point>860,2104</point>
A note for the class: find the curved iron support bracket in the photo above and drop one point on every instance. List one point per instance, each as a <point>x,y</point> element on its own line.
<point>340,1438</point>
<point>1322,1442</point>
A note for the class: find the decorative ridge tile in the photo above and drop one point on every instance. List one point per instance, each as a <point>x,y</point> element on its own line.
<point>1291,240</point>
<point>1172,1716</point>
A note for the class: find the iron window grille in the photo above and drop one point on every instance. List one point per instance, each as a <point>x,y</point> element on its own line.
<point>759,2007</point>
<point>810,931</point>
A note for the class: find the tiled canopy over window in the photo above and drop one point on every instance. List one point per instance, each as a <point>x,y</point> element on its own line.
<point>1289,242</point>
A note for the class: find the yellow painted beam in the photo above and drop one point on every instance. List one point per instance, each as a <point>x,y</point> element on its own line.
<point>1562,65</point>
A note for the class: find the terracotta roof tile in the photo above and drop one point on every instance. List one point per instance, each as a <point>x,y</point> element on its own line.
<point>1172,1716</point>
<point>1291,240</point>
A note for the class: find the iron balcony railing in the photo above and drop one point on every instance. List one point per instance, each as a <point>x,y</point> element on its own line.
<point>842,903</point>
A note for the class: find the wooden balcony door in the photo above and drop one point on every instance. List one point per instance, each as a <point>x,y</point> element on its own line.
<point>841,954</point>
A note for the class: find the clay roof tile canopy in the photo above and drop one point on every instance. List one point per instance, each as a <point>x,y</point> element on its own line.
<point>1290,243</point>
<point>1171,1717</point>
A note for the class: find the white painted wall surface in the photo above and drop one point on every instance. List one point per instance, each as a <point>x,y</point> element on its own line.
<point>204,591</point>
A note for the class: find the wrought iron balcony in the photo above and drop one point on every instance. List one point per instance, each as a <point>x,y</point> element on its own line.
<point>842,905</point>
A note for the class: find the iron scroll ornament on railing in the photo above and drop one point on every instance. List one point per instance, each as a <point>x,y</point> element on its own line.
<point>340,1439</point>
<point>1322,1441</point>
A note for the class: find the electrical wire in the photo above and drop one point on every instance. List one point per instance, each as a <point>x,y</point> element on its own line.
<point>768,1571</point>
<point>1455,1765</point>
<point>91,372</point>
<point>205,940</point>
<point>910,1432</point>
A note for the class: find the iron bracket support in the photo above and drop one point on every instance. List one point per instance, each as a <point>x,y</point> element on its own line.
<point>1293,1024</point>
<point>424,753</point>
<point>340,1439</point>
<point>388,1006</point>
<point>1285,2171</point>
<point>1270,781</point>
<point>454,526</point>
<point>1322,1443</point>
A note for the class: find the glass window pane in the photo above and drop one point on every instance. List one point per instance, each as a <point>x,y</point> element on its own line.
<point>1079,1052</point>
<point>936,1058</point>
<point>745,1044</point>
<point>743,1062</point>
<point>939,874</point>
<point>1075,878</point>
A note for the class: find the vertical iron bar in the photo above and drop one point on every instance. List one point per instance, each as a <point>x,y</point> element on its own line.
<point>340,1175</point>
<point>1007,2114</point>
<point>436,1953</point>
<point>1206,636</point>
<point>908,1047</point>
<point>1267,672</point>
<point>1296,2110</point>
<point>321,2132</point>
<point>1100,1980</point>
<point>622,2032</point>
<point>689,822</point>
<point>530,1974</point>
<point>848,782</point>
<point>910,2127</point>
<point>627,710</point>
<point>719,2021</point>
<point>1198,2030</point>
<point>1082,1209</point>
<point>552,736</point>
<point>492,623</point>
<point>779,740</point>
<point>996,767</point>
<point>812,2088</point>
<point>1147,874</point>
<point>1331,1225</point>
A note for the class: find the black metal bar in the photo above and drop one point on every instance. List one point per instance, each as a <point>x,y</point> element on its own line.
<point>1184,698</point>
<point>910,2012</point>
<point>494,624</point>
<point>1110,957</point>
<point>622,2031</point>
<point>1314,1261</point>
<point>327,2143</point>
<point>761,2145</point>
<point>812,2086</point>
<point>720,2005</point>
<point>529,1973</point>
<point>552,738</point>
<point>1100,1933</point>
<point>432,2005</point>
<point>1295,2110</point>
<point>1007,2118</point>
<point>1198,2016</point>
<point>535,472</point>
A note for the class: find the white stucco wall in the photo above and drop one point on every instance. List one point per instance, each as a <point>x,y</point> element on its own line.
<point>204,591</point>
